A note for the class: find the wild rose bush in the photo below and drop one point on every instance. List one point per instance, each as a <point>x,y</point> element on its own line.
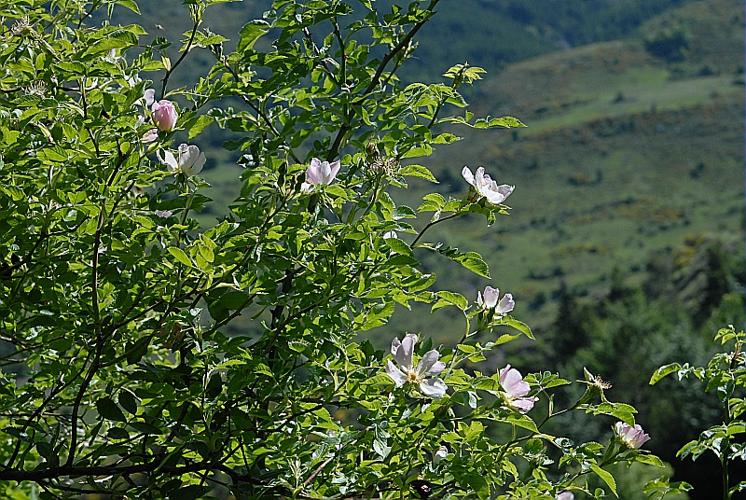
<point>725,377</point>
<point>118,374</point>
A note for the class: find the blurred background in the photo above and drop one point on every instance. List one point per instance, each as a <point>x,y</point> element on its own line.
<point>625,246</point>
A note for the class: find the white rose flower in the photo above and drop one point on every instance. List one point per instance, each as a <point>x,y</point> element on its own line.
<point>486,187</point>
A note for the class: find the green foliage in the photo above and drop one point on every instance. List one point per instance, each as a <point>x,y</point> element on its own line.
<point>725,376</point>
<point>625,333</point>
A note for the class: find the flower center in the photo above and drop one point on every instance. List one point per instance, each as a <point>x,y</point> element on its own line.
<point>412,376</point>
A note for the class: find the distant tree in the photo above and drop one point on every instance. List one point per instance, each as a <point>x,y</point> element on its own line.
<point>669,44</point>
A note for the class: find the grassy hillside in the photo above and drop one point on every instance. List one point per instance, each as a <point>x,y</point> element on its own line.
<point>625,153</point>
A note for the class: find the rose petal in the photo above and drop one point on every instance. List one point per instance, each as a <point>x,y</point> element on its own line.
<point>437,368</point>
<point>395,345</point>
<point>169,159</point>
<point>512,382</point>
<point>506,304</point>
<point>335,166</point>
<point>313,172</point>
<point>427,361</point>
<point>396,374</point>
<point>467,175</point>
<point>490,297</point>
<point>433,387</point>
<point>403,355</point>
<point>149,136</point>
<point>523,405</point>
<point>149,97</point>
<point>325,172</point>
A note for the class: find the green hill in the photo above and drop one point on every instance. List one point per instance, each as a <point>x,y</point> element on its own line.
<point>625,152</point>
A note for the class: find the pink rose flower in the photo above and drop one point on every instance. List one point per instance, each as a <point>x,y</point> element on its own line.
<point>634,437</point>
<point>320,173</point>
<point>516,389</point>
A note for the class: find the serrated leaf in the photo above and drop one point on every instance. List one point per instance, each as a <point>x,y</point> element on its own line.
<point>650,460</point>
<point>200,124</point>
<point>398,246</point>
<point>128,401</point>
<point>181,256</point>
<point>606,477</point>
<point>381,448</point>
<point>474,263</point>
<point>447,298</point>
<point>663,372</point>
<point>250,33</point>
<point>129,4</point>
<point>514,323</point>
<point>420,171</point>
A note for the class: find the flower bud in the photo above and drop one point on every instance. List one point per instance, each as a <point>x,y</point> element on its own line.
<point>149,136</point>
<point>164,115</point>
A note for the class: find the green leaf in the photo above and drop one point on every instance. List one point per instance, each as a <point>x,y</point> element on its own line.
<point>447,298</point>
<point>420,171</point>
<point>622,411</point>
<point>523,421</point>
<point>606,477</point>
<point>398,246</point>
<point>191,492</point>
<point>130,4</point>
<point>45,450</point>
<point>381,448</point>
<point>479,484</point>
<point>118,39</point>
<point>200,124</point>
<point>663,372</point>
<point>474,263</point>
<point>446,138</point>
<point>419,151</point>
<point>108,409</point>
<point>214,386</point>
<point>181,256</point>
<point>661,487</point>
<point>649,459</point>
<point>250,33</point>
<point>128,401</point>
<point>504,122</point>
<point>118,433</point>
<point>470,260</point>
<point>514,323</point>
<point>137,350</point>
<point>505,338</point>
<point>467,348</point>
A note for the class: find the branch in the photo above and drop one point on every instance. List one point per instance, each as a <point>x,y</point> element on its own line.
<point>431,224</point>
<point>186,50</point>
<point>404,42</point>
